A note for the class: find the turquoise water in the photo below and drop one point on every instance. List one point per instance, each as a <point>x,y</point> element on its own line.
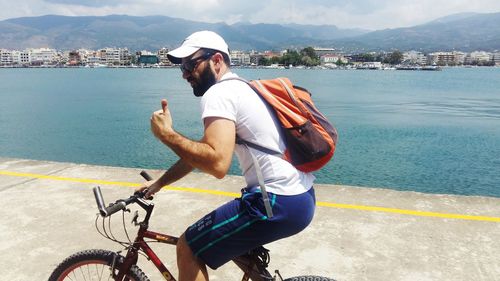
<point>436,132</point>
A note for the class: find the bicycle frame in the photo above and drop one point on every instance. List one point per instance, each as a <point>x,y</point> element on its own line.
<point>247,263</point>
<point>253,264</point>
<point>140,244</point>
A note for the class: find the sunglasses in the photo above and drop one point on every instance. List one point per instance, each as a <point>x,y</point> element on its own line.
<point>190,65</point>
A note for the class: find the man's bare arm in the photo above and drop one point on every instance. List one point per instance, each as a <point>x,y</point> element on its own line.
<point>213,154</point>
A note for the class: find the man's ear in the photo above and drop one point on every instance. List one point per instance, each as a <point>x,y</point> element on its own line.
<point>218,58</point>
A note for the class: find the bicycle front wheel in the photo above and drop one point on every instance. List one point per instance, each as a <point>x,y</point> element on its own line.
<point>92,265</point>
<point>309,278</point>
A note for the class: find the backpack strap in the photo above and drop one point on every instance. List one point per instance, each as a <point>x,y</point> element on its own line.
<point>258,147</point>
<point>260,179</point>
<point>258,170</point>
<point>242,141</point>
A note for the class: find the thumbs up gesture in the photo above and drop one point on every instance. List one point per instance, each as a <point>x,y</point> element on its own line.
<point>161,121</point>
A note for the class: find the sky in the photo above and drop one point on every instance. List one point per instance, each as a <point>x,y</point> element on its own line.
<point>365,14</point>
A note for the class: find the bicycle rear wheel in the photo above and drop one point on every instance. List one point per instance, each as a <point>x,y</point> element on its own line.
<point>309,278</point>
<point>92,265</point>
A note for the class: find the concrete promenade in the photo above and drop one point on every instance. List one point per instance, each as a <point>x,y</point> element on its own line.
<point>48,212</point>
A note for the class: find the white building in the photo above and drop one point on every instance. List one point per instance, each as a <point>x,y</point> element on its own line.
<point>162,55</point>
<point>480,56</point>
<point>25,57</point>
<point>414,57</point>
<point>42,56</point>
<point>496,58</point>
<point>93,58</point>
<point>16,57</point>
<point>112,56</point>
<point>239,58</point>
<point>447,58</point>
<point>5,57</point>
<point>460,57</point>
<point>85,54</point>
<point>332,59</point>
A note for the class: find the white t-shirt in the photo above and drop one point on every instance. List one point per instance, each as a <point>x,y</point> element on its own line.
<point>236,101</point>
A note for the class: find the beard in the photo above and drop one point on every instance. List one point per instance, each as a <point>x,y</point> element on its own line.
<point>206,80</point>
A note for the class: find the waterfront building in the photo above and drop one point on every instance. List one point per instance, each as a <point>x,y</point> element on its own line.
<point>5,57</point>
<point>270,54</point>
<point>162,56</point>
<point>125,56</point>
<point>459,57</point>
<point>42,56</point>
<point>496,58</point>
<point>447,58</point>
<point>24,57</point>
<point>441,58</point>
<point>110,56</point>
<point>85,55</point>
<point>332,59</point>
<point>239,58</point>
<point>147,58</point>
<point>16,57</point>
<point>114,56</point>
<point>93,58</point>
<point>74,58</point>
<point>479,57</point>
<point>256,57</point>
<point>414,57</point>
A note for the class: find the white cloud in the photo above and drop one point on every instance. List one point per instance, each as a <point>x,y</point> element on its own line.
<point>369,14</point>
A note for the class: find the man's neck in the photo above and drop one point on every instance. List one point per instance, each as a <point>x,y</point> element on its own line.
<point>222,71</point>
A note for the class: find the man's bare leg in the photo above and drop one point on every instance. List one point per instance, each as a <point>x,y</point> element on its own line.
<point>190,267</point>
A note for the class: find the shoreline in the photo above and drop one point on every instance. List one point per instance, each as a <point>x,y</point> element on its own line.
<point>385,68</point>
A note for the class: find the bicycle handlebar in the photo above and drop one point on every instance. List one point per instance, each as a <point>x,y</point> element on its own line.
<point>119,204</point>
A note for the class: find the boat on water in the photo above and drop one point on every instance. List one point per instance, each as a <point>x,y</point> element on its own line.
<point>431,68</point>
<point>408,67</point>
<point>418,67</point>
<point>96,65</point>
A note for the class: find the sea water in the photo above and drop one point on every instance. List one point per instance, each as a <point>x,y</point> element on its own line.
<point>427,131</point>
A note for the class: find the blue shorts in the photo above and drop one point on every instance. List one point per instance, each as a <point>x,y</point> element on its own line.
<point>242,225</point>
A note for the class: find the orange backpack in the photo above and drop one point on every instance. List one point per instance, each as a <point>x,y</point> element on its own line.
<point>309,137</point>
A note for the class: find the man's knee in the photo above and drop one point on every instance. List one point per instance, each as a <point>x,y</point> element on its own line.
<point>184,254</point>
<point>190,267</point>
<point>183,249</point>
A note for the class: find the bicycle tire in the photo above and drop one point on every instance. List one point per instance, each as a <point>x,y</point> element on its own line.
<point>88,264</point>
<point>309,278</point>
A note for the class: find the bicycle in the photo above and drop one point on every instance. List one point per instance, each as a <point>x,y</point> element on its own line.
<point>91,264</point>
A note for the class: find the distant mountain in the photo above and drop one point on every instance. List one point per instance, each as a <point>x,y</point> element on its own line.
<point>152,32</point>
<point>454,17</point>
<point>466,32</point>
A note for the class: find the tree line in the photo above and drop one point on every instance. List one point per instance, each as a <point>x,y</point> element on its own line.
<point>308,57</point>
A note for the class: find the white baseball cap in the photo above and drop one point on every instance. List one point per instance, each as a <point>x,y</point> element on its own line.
<point>201,39</point>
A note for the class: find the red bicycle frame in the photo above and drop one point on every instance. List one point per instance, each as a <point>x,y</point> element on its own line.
<point>139,243</point>
<point>253,264</point>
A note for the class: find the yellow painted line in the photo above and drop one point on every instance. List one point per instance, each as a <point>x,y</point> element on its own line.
<point>408,212</point>
<point>39,176</point>
<point>233,194</point>
<point>119,183</point>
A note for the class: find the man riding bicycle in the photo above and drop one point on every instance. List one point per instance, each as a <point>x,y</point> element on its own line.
<point>229,109</point>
